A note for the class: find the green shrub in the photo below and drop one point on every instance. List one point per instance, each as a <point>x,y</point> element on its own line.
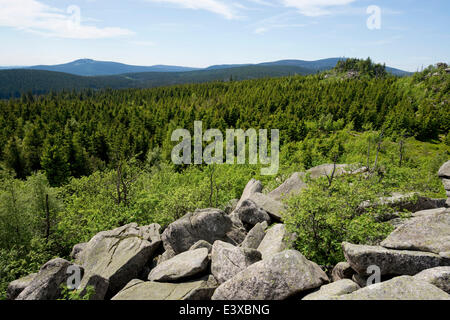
<point>324,216</point>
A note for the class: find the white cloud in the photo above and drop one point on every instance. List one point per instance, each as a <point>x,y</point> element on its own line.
<point>214,6</point>
<point>39,18</point>
<point>315,8</point>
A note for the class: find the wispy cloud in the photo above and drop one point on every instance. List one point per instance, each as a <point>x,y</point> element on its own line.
<point>281,21</point>
<point>36,17</point>
<point>215,6</point>
<point>315,8</point>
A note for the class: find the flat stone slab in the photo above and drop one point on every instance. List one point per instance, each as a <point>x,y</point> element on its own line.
<point>181,266</point>
<point>201,289</point>
<point>390,262</point>
<point>425,232</point>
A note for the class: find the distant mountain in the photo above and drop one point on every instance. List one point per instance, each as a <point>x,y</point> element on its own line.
<point>88,67</point>
<point>15,82</point>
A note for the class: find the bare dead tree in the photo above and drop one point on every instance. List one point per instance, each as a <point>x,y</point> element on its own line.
<point>123,184</point>
<point>380,141</point>
<point>333,172</point>
<point>402,144</point>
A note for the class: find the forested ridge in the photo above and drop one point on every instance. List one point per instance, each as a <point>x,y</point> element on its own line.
<point>76,163</point>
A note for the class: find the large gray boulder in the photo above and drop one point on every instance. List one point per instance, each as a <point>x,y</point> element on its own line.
<point>273,207</point>
<point>250,214</point>
<point>277,239</point>
<point>17,286</point>
<point>46,285</point>
<point>208,224</point>
<point>284,275</point>
<point>254,237</point>
<point>184,265</point>
<point>252,187</point>
<point>430,233</point>
<point>201,289</point>
<point>400,288</point>
<point>390,262</point>
<point>400,221</point>
<point>338,288</point>
<point>292,186</point>
<point>228,260</point>
<point>119,255</point>
<point>439,277</point>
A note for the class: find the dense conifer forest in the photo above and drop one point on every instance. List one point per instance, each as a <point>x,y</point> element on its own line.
<point>76,163</point>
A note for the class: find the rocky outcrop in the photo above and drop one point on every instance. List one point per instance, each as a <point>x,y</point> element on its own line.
<point>254,237</point>
<point>209,225</point>
<point>228,260</point>
<point>17,286</point>
<point>201,289</point>
<point>390,262</point>
<point>428,232</point>
<point>277,239</point>
<point>282,276</point>
<point>182,266</point>
<point>439,277</point>
<point>119,255</point>
<point>292,186</point>
<point>400,288</point>
<point>46,285</point>
<point>335,289</point>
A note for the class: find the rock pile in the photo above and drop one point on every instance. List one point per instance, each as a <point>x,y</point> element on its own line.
<point>247,254</point>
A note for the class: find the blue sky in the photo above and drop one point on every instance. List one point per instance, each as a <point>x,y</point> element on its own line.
<point>200,33</point>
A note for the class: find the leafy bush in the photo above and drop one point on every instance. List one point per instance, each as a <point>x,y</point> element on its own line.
<point>324,216</point>
<point>70,294</point>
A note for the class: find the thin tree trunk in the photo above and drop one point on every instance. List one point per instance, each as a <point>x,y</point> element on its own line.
<point>47,218</point>
<point>401,152</point>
